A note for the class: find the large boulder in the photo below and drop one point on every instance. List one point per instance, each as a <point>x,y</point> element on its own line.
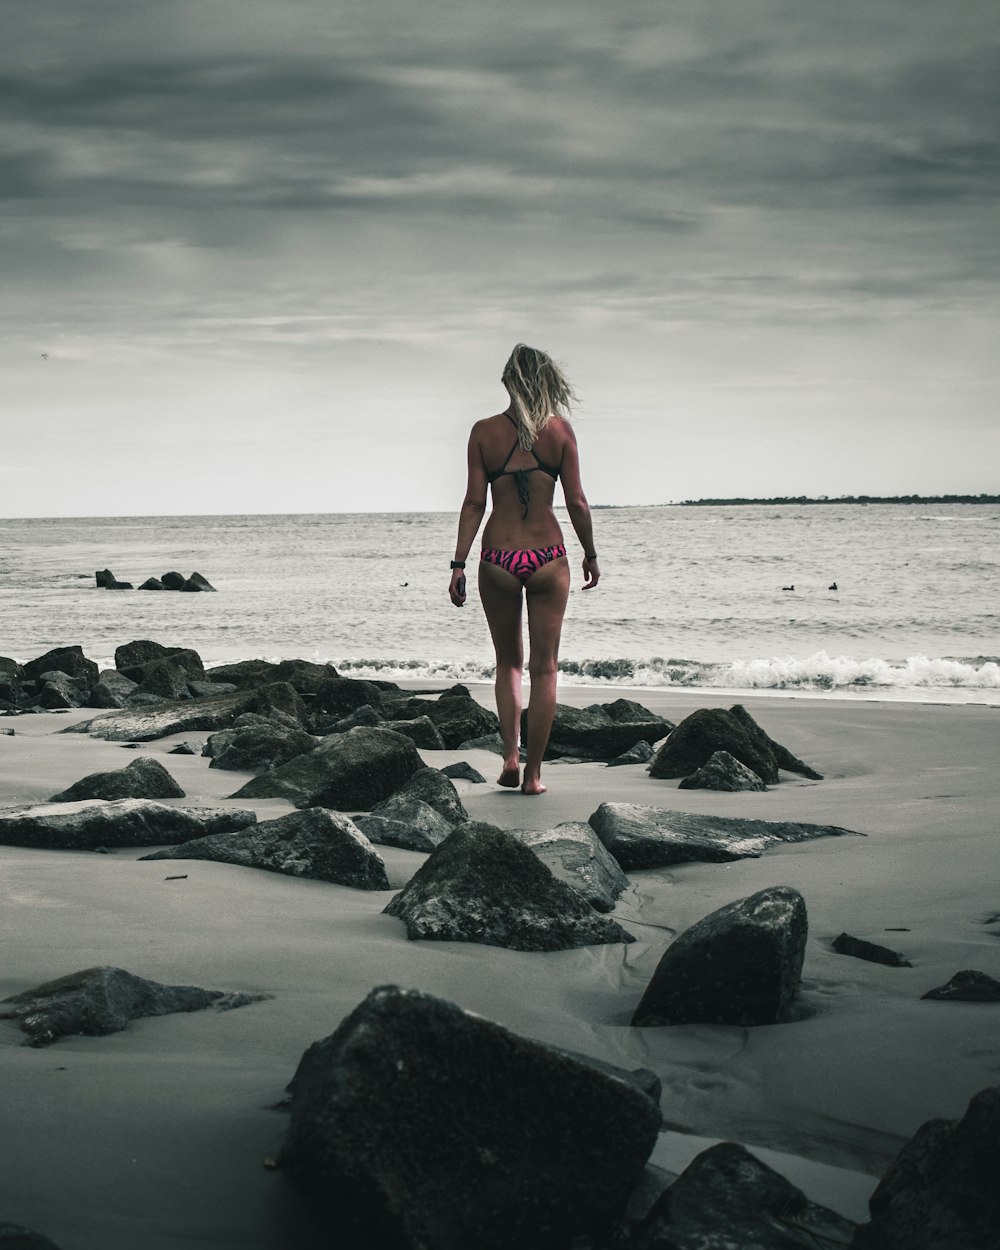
<point>163,679</point>
<point>417,1125</point>
<point>482,884</point>
<point>56,689</point>
<point>348,772</point>
<point>722,771</point>
<point>113,690</point>
<point>256,743</point>
<point>421,731</point>
<point>941,1191</point>
<point>144,724</point>
<point>68,660</point>
<point>125,822</point>
<point>12,679</point>
<point>280,701</point>
<point>968,986</point>
<point>431,786</point>
<point>337,697</point>
<point>593,734</point>
<point>696,739</point>
<point>741,964</point>
<point>97,1001</point>
<point>727,1199</point>
<point>183,658</point>
<point>413,825</point>
<point>144,778</point>
<point>654,837</point>
<point>321,845</point>
<point>305,676</point>
<point>574,854</point>
<point>106,580</point>
<point>139,652</point>
<point>461,718</point>
<point>197,583</point>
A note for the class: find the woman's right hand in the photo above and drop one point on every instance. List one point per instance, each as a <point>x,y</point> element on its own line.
<point>591,573</point>
<point>456,590</point>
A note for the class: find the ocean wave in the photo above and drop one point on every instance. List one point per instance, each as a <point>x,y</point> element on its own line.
<point>817,672</point>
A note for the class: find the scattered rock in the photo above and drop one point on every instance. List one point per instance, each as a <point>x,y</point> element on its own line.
<point>113,690</point>
<point>404,1129</point>
<point>482,884</point>
<point>189,662</point>
<point>348,772</point>
<point>741,964</point>
<point>969,986</point>
<point>574,854</point>
<point>139,652</point>
<point>462,770</point>
<point>95,823</point>
<point>727,1199</point>
<point>432,787</point>
<point>57,690</point>
<point>460,718</point>
<point>844,944</point>
<point>303,675</point>
<point>722,771</point>
<point>337,697</point>
<point>152,583</point>
<point>280,701</point>
<point>197,583</point>
<point>458,691</point>
<point>421,731</point>
<point>488,742</point>
<point>183,748</point>
<point>941,1191</point>
<point>413,825</point>
<point>627,711</point>
<point>654,837</point>
<point>321,845</point>
<point>592,734</point>
<point>142,779</point>
<point>364,715</point>
<point>255,744</point>
<point>164,680</point>
<point>692,743</point>
<point>98,1001</point>
<point>12,679</point>
<point>173,581</point>
<point>641,753</point>
<point>106,580</point>
<point>68,660</point>
<point>161,719</point>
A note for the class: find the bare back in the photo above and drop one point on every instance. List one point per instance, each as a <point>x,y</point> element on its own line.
<point>522,482</point>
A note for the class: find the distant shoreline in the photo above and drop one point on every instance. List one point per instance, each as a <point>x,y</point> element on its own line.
<point>858,499</point>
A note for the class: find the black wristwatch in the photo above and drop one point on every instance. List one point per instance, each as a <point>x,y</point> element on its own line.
<point>458,564</point>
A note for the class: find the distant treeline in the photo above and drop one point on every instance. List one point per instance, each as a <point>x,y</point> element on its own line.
<point>799,499</point>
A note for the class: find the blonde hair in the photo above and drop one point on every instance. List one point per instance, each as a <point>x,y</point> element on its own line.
<point>538,391</point>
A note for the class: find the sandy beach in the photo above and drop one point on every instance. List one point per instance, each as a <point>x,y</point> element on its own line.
<point>157,1137</point>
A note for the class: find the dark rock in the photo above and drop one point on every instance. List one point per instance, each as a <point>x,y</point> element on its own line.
<point>173,581</point>
<point>196,583</point>
<point>482,884</point>
<point>708,730</point>
<point>591,733</point>
<point>183,748</point>
<point>136,724</point>
<point>164,680</point>
<point>12,679</point>
<point>113,690</point>
<point>654,837</point>
<point>255,744</point>
<point>183,658</point>
<point>305,676</point>
<point>321,845</point>
<point>144,778</point>
<point>722,771</point>
<point>844,944</point>
<point>404,1128</point>
<point>627,711</point>
<point>941,1191</point>
<point>412,825</point>
<point>242,673</point>
<point>124,822</point>
<point>280,701</point>
<point>969,986</point>
<point>366,715</point>
<point>339,696</point>
<point>741,964</point>
<point>16,1237</point>
<point>141,651</point>
<point>459,719</point>
<point>727,1199</point>
<point>641,753</point>
<point>432,787</point>
<point>56,690</point>
<point>204,689</point>
<point>402,706</point>
<point>422,732</point>
<point>98,1001</point>
<point>463,771</point>
<point>348,772</point>
<point>458,691</point>
<point>106,580</point>
<point>573,853</point>
<point>68,660</point>
<point>152,583</point>
<point>488,742</point>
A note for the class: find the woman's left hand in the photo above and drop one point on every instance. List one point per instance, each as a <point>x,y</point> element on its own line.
<point>591,574</point>
<point>456,590</point>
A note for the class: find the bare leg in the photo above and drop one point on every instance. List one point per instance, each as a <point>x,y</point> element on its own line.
<point>547,592</point>
<point>500,593</point>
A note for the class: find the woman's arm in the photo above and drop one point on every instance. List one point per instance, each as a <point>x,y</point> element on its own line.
<point>469,518</point>
<point>578,508</point>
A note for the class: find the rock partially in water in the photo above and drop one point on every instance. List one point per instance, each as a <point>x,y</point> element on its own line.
<point>482,884</point>
<point>741,964</point>
<point>318,844</point>
<point>417,1124</point>
<point>144,778</point>
<point>102,1000</point>
<point>94,823</point>
<point>654,837</point>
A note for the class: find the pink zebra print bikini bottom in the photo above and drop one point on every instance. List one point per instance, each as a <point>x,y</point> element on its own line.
<point>521,564</point>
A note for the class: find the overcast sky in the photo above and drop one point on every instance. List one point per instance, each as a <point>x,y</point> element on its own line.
<point>277,251</point>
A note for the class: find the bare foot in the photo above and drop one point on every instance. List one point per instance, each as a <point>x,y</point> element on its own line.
<point>510,777</point>
<point>532,787</point>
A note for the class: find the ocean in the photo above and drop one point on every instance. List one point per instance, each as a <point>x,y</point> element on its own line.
<point>689,596</point>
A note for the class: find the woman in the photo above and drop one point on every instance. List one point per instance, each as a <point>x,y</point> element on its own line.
<point>521,453</point>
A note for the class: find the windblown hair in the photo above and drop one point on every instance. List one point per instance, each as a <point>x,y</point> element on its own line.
<point>538,391</point>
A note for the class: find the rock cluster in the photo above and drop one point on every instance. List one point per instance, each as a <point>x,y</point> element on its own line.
<point>692,744</point>
<point>602,732</point>
<point>106,580</point>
